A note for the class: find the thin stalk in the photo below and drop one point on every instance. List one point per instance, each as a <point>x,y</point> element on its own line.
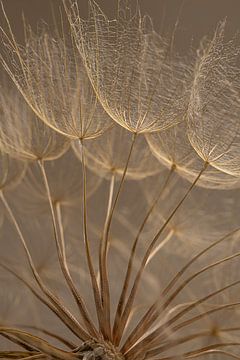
<point>62,340</point>
<point>61,231</point>
<point>148,252</point>
<point>170,344</point>
<point>17,354</point>
<point>207,313</point>
<point>18,342</point>
<point>109,206</point>
<point>103,238</point>
<point>188,280</point>
<point>160,246</point>
<point>80,302</point>
<point>201,351</point>
<point>213,352</point>
<point>82,334</point>
<point>105,292</point>
<point>148,340</point>
<point>195,258</point>
<point>35,357</point>
<point>38,343</point>
<point>132,255</point>
<point>152,313</point>
<point>68,321</point>
<point>192,277</point>
<point>96,293</point>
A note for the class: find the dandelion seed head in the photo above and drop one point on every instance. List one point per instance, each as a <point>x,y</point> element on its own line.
<point>106,155</point>
<point>23,135</point>
<point>124,246</point>
<point>66,103</point>
<point>128,65</point>
<point>213,126</point>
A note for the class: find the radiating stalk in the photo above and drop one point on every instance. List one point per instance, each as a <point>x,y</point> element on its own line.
<point>78,298</point>
<point>152,313</point>
<point>69,317</point>
<point>105,292</point>
<point>96,293</point>
<point>203,350</point>
<point>132,255</point>
<point>134,289</point>
<point>148,340</point>
<point>62,340</point>
<point>38,343</point>
<point>61,231</point>
<point>70,322</point>
<point>103,248</point>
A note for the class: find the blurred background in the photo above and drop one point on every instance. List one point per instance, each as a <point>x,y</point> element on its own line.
<point>194,18</point>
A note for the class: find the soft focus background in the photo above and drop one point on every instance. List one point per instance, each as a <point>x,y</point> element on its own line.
<point>192,19</point>
<point>195,18</point>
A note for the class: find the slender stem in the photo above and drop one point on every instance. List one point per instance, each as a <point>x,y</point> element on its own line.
<point>18,354</point>
<point>202,351</point>
<point>132,255</point>
<point>82,334</point>
<point>172,343</point>
<point>103,244</point>
<point>160,246</point>
<point>105,293</point>
<point>35,357</point>
<point>153,337</point>
<point>152,313</point>
<point>71,325</point>
<point>18,342</point>
<point>61,231</point>
<point>207,313</point>
<point>148,252</point>
<point>38,343</point>
<point>92,274</point>
<point>192,277</point>
<point>62,340</point>
<point>80,302</point>
<point>186,282</point>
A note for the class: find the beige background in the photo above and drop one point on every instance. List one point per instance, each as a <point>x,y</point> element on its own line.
<point>196,17</point>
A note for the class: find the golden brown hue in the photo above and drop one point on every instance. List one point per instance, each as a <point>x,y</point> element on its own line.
<point>119,190</point>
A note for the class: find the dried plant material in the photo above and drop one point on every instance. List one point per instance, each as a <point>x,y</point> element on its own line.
<point>136,80</point>
<point>23,135</point>
<point>107,155</point>
<point>11,170</point>
<point>66,190</point>
<point>197,216</point>
<point>49,73</point>
<point>214,110</point>
<point>172,148</point>
<point>97,269</point>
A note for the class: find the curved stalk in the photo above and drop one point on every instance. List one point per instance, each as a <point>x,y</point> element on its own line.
<point>148,252</point>
<point>70,324</point>
<point>152,313</point>
<point>105,293</point>
<point>64,267</point>
<point>92,274</point>
<point>132,255</point>
<point>83,335</point>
